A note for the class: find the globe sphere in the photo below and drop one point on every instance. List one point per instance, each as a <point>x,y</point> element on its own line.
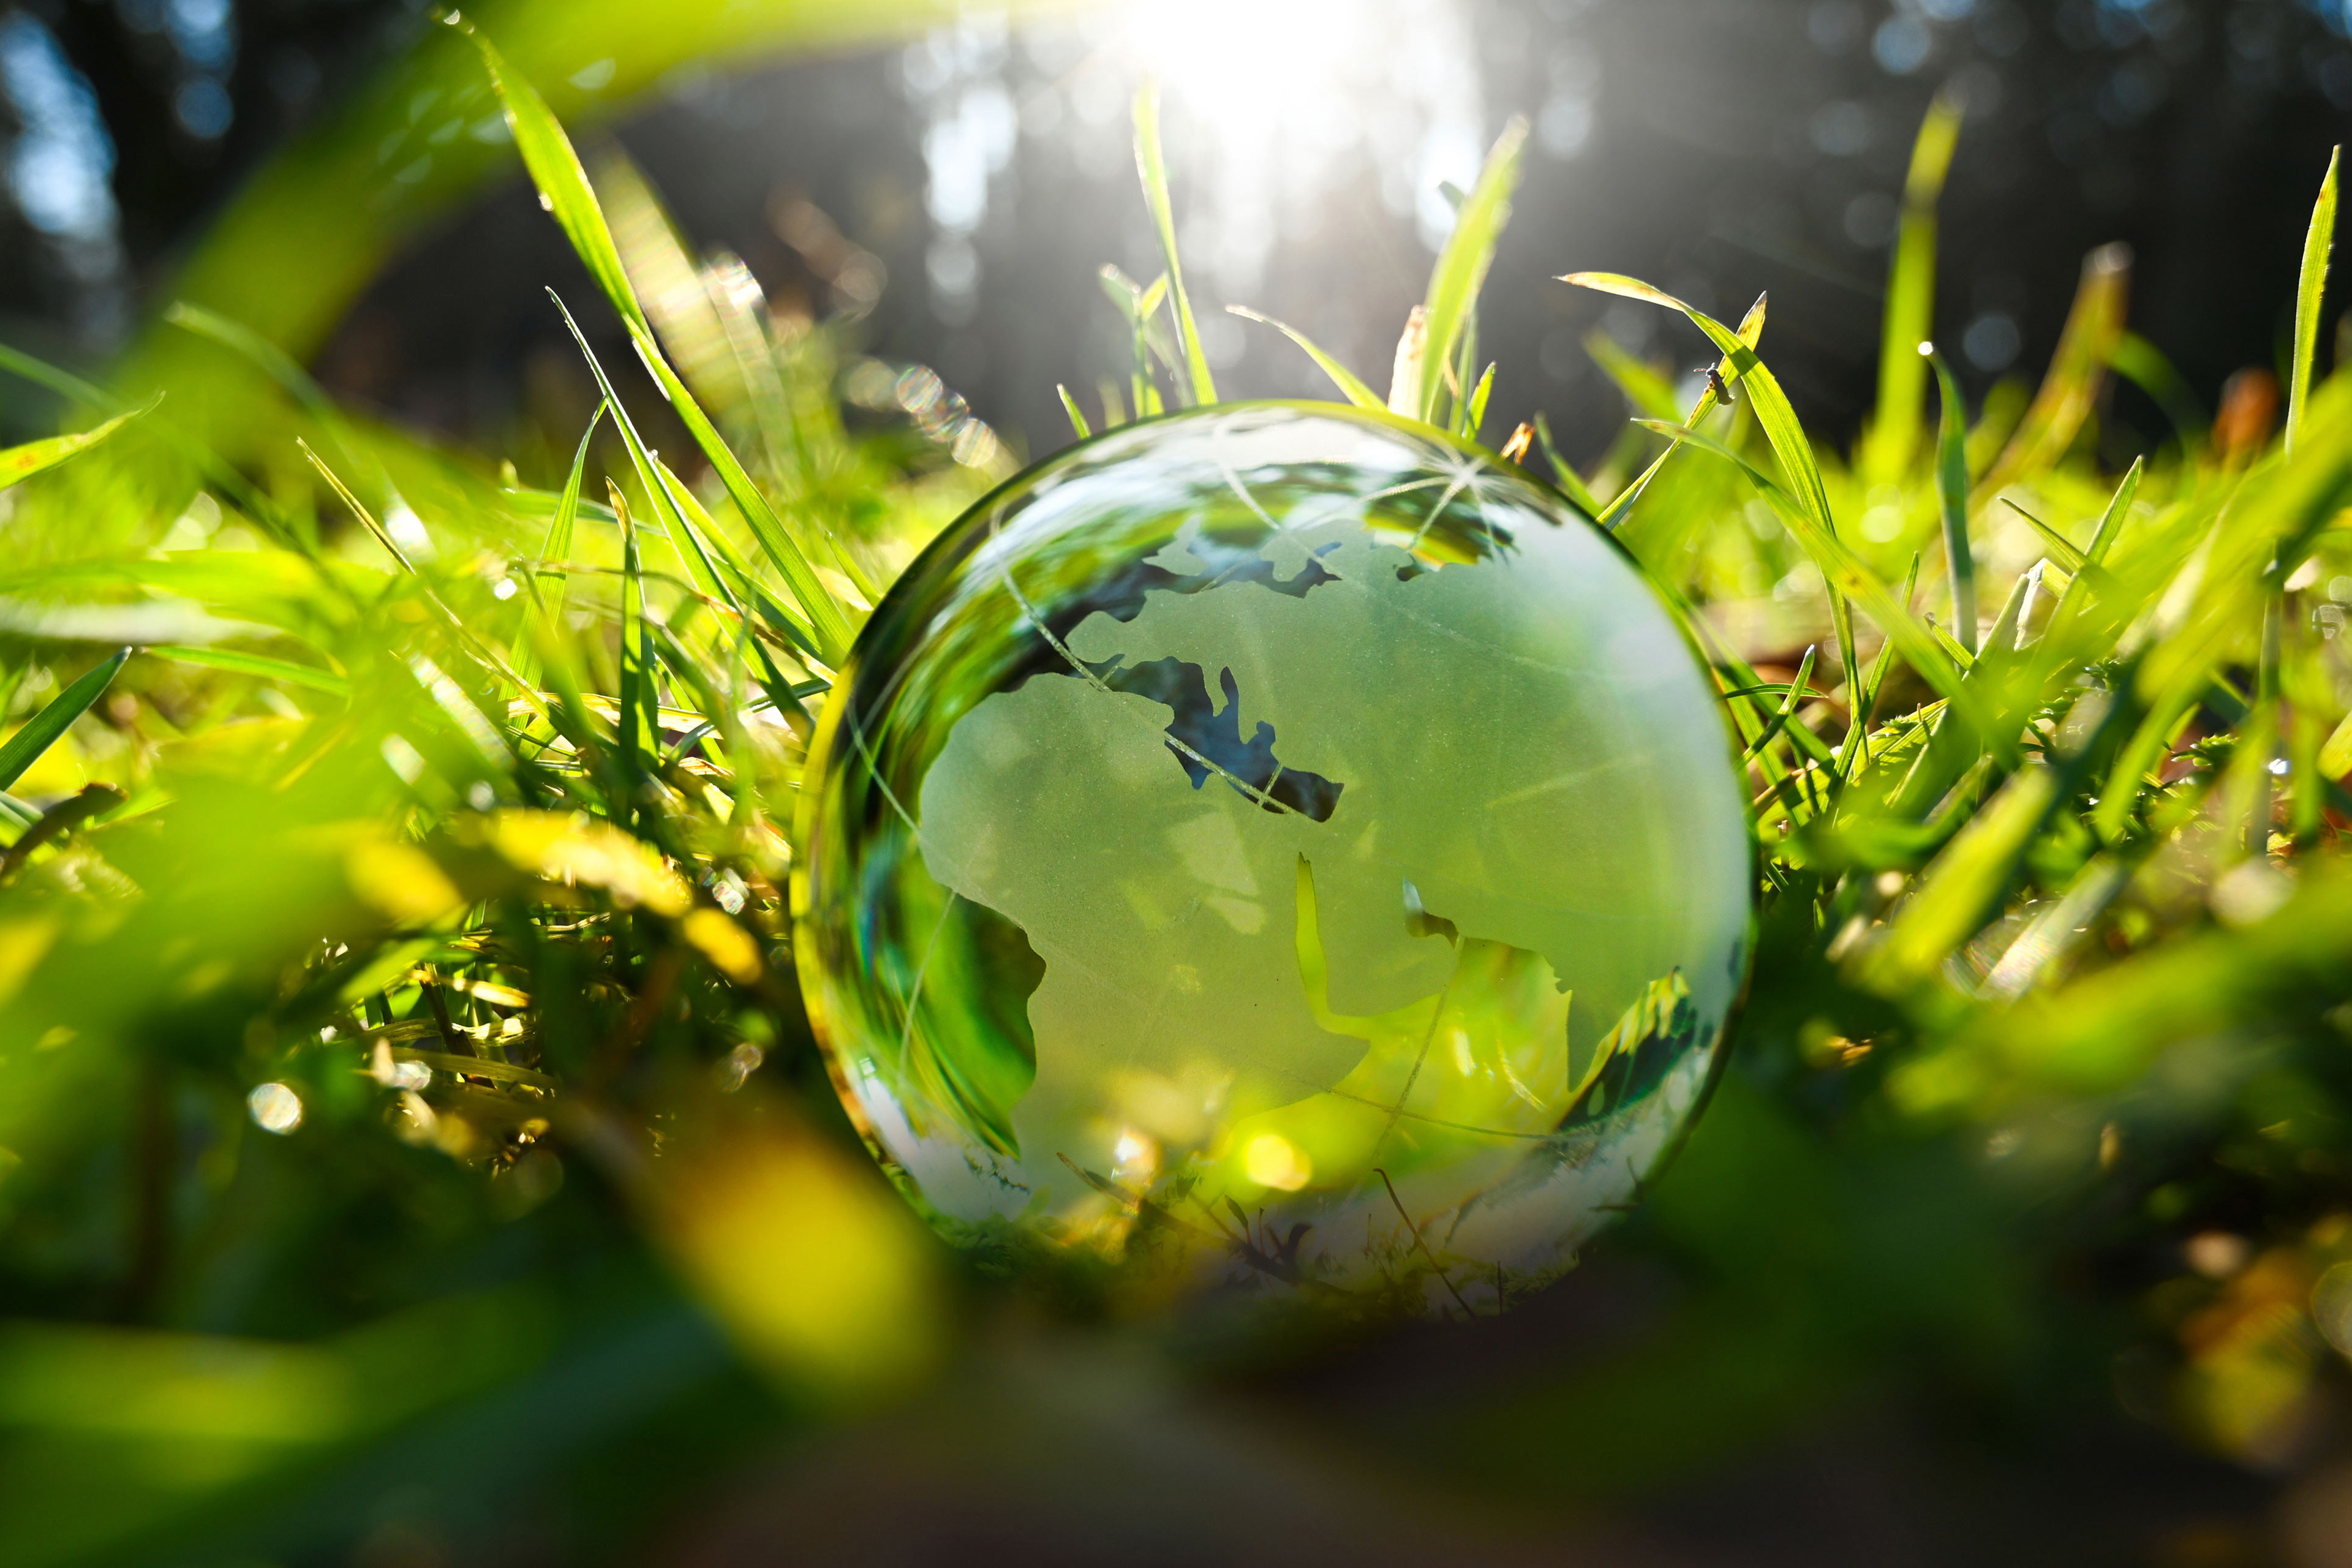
<point>1276,844</point>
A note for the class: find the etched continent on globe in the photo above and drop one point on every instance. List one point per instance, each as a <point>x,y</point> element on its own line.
<point>1279,843</point>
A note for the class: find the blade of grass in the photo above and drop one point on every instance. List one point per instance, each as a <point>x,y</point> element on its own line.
<point>1469,252</point>
<point>1752,332</point>
<point>2095,323</point>
<point>41,731</point>
<point>1572,483</point>
<point>18,464</point>
<point>1909,317</point>
<point>1151,165</point>
<point>1474,417</point>
<point>2310,288</point>
<point>557,546</point>
<point>1350,386</point>
<point>1952,496</point>
<point>259,665</point>
<point>482,651</point>
<point>565,193</point>
<point>1848,573</point>
<point>1773,412</point>
<point>1644,387</point>
<point>1070,407</point>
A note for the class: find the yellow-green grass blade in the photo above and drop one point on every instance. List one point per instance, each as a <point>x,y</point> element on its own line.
<point>2064,550</point>
<point>1909,316</point>
<point>195,453</point>
<point>1752,332</point>
<point>1070,407</point>
<point>563,181</point>
<point>1151,165</point>
<point>2144,364</point>
<point>40,733</point>
<point>258,665</point>
<point>1473,414</point>
<point>1965,883</point>
<point>1952,496</point>
<point>565,192</point>
<point>1351,386</point>
<point>1572,483</point>
<point>18,464</point>
<point>1462,264</point>
<point>1773,412</point>
<point>557,546</point>
<point>1848,573</point>
<point>1644,387</point>
<point>2086,344</point>
<point>2310,288</point>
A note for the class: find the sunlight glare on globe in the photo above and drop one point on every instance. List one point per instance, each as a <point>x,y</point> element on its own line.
<point>1275,845</point>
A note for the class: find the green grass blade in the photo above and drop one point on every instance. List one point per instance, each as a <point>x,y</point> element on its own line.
<point>2144,364</point>
<point>1848,573</point>
<point>1752,332</point>
<point>2066,552</point>
<point>563,181</point>
<point>1952,496</point>
<point>1462,265</point>
<point>1572,483</point>
<point>2310,287</point>
<point>829,631</point>
<point>1909,317</point>
<point>41,731</point>
<point>1773,412</point>
<point>566,194</point>
<point>1474,417</point>
<point>557,546</point>
<point>1151,165</point>
<point>1070,407</point>
<point>260,665</point>
<point>1644,387</point>
<point>1964,887</point>
<point>2095,324</point>
<point>1350,386</point>
<point>2111,523</point>
<point>18,464</point>
<point>198,456</point>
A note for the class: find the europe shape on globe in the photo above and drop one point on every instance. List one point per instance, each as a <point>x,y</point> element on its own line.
<point>1274,844</point>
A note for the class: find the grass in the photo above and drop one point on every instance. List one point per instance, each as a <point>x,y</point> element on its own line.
<point>456,813</point>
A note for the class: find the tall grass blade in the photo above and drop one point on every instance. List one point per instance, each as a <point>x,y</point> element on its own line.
<point>41,731</point>
<point>1773,413</point>
<point>1151,165</point>
<point>18,464</point>
<point>257,665</point>
<point>1462,264</point>
<point>1412,364</point>
<point>2310,288</point>
<point>564,191</point>
<point>557,546</point>
<point>563,181</point>
<point>1644,387</point>
<point>2086,344</point>
<point>1952,496</point>
<point>1077,415</point>
<point>1571,484</point>
<point>1350,386</point>
<point>1474,413</point>
<point>1909,317</point>
<point>1752,332</point>
<point>1847,574</point>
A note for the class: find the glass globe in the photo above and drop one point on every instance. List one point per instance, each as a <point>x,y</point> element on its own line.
<point>1276,844</point>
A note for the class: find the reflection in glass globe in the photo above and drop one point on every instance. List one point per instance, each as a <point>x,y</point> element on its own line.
<point>1277,844</point>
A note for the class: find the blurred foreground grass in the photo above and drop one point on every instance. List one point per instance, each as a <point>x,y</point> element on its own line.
<point>406,1117</point>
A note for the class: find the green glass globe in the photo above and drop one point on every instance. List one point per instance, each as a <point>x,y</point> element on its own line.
<point>1276,844</point>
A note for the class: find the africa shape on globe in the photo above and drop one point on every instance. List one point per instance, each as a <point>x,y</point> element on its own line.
<point>1277,844</point>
